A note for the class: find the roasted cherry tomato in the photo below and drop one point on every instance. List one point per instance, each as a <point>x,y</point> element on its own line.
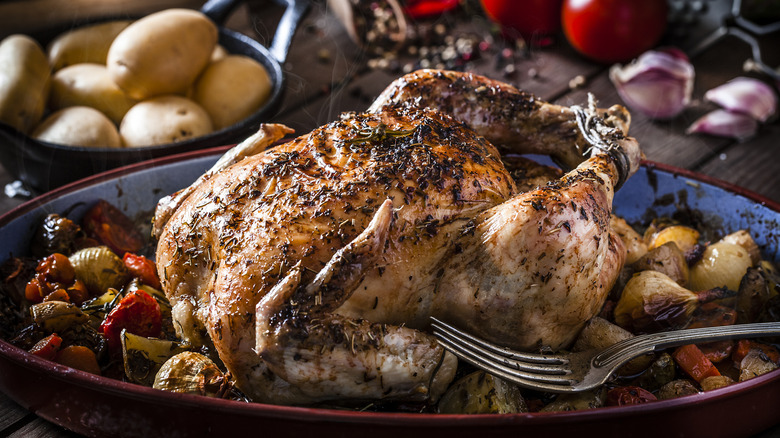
<point>613,30</point>
<point>109,226</point>
<point>529,18</point>
<point>628,395</point>
<point>428,8</point>
<point>142,268</point>
<point>52,273</point>
<point>138,313</point>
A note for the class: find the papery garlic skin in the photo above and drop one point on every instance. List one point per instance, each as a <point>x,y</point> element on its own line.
<point>658,84</point>
<point>746,96</point>
<point>724,123</point>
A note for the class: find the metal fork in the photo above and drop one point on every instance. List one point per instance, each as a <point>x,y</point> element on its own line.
<point>575,372</point>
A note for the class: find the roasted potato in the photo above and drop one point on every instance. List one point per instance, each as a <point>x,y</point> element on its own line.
<point>162,53</point>
<point>24,82</point>
<point>481,393</point>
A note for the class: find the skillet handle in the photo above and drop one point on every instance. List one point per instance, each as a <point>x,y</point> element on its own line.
<point>293,15</point>
<point>219,10</point>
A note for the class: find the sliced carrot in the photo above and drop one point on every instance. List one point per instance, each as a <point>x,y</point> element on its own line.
<point>80,358</point>
<point>692,361</point>
<point>47,347</point>
<point>717,351</point>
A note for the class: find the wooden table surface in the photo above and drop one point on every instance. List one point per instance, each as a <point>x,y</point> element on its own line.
<point>327,74</point>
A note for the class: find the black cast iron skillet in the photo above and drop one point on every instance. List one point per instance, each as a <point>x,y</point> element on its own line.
<point>43,166</point>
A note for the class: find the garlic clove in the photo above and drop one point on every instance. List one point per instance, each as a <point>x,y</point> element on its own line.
<point>746,96</point>
<point>724,123</point>
<point>658,84</point>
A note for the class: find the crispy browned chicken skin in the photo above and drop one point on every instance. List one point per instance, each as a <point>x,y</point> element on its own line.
<point>313,266</point>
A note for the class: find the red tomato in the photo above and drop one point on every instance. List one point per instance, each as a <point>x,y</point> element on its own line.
<point>614,30</point>
<point>528,17</point>
<point>47,347</point>
<point>138,313</point>
<point>142,268</point>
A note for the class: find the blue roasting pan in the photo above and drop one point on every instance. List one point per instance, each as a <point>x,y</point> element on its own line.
<point>98,406</point>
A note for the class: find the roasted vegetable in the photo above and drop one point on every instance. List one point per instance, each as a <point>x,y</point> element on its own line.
<point>57,316</point>
<point>694,363</point>
<point>723,264</point>
<point>143,356</point>
<point>578,401</point>
<point>676,388</point>
<point>192,373</point>
<point>138,313</point>
<point>481,393</point>
<point>667,259</point>
<point>651,301</point>
<point>100,269</point>
<point>660,372</point>
<point>628,395</point>
<point>599,334</point>
<point>80,358</point>
<point>109,226</point>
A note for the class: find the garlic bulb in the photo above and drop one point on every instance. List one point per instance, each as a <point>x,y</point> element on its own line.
<point>724,123</point>
<point>745,96</point>
<point>658,84</point>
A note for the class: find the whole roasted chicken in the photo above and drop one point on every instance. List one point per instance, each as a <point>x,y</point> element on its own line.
<point>313,266</point>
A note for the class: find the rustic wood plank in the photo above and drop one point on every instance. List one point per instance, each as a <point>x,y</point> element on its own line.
<point>40,428</point>
<point>752,165</point>
<point>10,413</point>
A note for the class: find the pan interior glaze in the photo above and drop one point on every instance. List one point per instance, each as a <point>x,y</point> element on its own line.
<point>98,406</point>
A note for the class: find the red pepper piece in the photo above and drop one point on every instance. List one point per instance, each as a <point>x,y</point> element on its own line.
<point>109,226</point>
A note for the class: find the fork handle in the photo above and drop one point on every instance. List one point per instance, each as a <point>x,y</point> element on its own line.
<point>643,344</point>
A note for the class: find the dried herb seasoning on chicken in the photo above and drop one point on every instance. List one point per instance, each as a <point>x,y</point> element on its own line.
<point>313,266</point>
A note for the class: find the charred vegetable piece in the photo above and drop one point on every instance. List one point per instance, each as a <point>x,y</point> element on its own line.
<point>192,373</point>
<point>57,316</point>
<point>667,259</point>
<point>138,313</point>
<point>744,346</point>
<point>755,290</point>
<point>628,395</point>
<point>660,372</point>
<point>694,363</point>
<point>58,234</point>
<point>715,382</point>
<point>47,347</point>
<point>676,388</point>
<point>142,268</point>
<point>754,364</point>
<point>143,356</point>
<point>109,226</point>
<point>578,401</point>
<point>481,393</point>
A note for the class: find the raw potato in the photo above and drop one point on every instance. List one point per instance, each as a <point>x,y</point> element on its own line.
<point>24,82</point>
<point>162,53</point>
<point>79,126</point>
<point>231,89</point>
<point>86,44</point>
<point>89,85</point>
<point>164,119</point>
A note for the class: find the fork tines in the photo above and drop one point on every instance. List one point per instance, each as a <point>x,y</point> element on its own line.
<point>535,371</point>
